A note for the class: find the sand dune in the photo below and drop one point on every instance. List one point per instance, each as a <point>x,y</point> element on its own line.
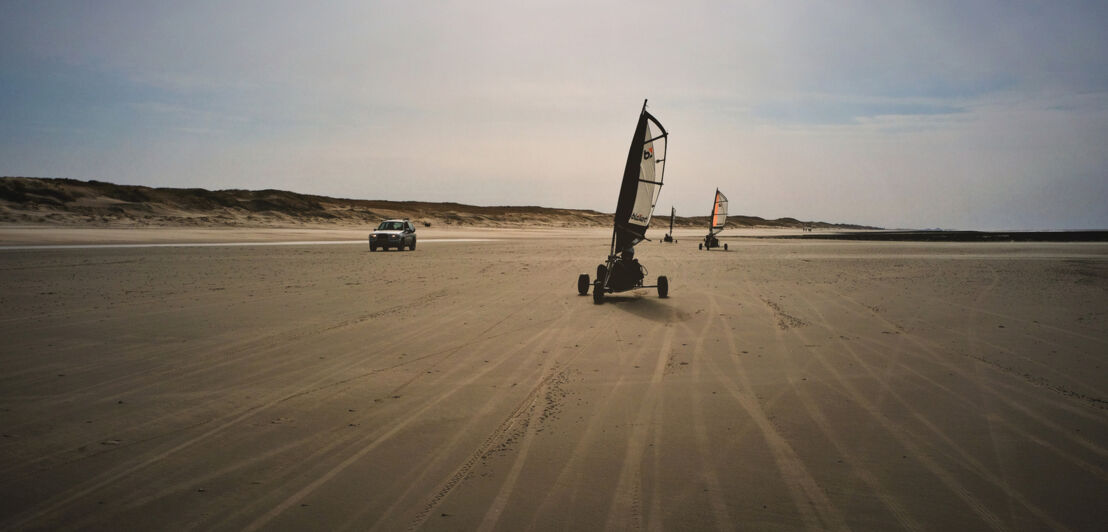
<point>783,385</point>
<point>69,202</point>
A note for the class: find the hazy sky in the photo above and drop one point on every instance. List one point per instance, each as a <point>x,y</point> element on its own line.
<point>961,114</point>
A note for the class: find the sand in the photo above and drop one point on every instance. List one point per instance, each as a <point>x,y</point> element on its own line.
<point>783,385</point>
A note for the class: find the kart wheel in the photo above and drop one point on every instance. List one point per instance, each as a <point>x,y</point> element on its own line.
<point>725,247</point>
<point>663,286</point>
<point>598,285</point>
<point>700,246</point>
<point>583,284</point>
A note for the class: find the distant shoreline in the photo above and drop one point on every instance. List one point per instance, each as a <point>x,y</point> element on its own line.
<point>956,236</point>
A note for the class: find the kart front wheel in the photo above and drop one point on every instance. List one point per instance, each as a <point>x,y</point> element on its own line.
<point>583,284</point>
<point>598,286</point>
<point>663,286</point>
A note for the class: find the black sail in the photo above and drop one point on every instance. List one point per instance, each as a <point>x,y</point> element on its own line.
<point>642,181</point>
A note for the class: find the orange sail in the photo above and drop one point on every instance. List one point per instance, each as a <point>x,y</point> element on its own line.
<point>719,212</point>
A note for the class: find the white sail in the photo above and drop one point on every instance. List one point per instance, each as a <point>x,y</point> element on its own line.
<point>649,186</point>
<point>719,212</point>
<point>642,181</point>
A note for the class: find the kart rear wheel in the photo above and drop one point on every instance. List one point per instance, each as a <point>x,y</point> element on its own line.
<point>583,284</point>
<point>725,247</point>
<point>663,286</point>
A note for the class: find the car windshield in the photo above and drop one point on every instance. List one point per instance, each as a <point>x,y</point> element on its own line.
<point>391,226</point>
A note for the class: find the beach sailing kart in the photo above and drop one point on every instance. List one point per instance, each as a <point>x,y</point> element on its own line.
<point>717,221</point>
<point>669,236</point>
<point>642,181</point>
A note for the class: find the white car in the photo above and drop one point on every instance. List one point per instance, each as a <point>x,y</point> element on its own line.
<point>393,234</point>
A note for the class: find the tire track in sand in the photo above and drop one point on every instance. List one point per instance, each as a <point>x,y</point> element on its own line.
<point>626,504</point>
<point>570,476</point>
<point>222,423</point>
<point>324,446</point>
<point>930,353</point>
<point>376,440</point>
<point>548,367</point>
<point>917,450</point>
<point>812,504</point>
<point>497,436</point>
<point>715,494</point>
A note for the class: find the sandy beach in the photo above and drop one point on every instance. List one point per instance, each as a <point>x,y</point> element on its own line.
<point>783,385</point>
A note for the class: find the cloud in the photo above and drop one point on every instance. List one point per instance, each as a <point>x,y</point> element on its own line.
<point>897,113</point>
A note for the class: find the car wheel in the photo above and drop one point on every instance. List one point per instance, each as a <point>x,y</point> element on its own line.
<point>663,286</point>
<point>583,284</point>
<point>412,246</point>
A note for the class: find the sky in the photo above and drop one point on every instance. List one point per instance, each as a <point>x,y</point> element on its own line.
<point>986,115</point>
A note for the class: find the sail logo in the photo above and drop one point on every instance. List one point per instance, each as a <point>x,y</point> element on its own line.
<point>648,153</point>
<point>638,217</point>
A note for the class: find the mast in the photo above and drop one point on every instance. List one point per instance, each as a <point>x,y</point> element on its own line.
<point>712,218</point>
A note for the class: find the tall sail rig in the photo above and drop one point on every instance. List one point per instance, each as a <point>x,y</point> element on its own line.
<point>642,181</point>
<point>719,213</point>
<point>669,235</point>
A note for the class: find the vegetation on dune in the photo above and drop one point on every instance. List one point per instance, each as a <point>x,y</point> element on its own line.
<point>59,201</point>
